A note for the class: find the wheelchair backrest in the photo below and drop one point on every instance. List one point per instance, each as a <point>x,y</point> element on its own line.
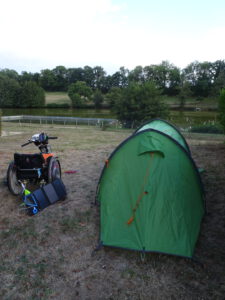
<point>28,161</point>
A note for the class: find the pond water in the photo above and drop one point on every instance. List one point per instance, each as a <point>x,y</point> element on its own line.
<point>64,112</point>
<point>183,119</point>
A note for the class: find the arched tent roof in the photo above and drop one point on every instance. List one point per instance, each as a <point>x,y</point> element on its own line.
<point>166,128</point>
<point>150,196</point>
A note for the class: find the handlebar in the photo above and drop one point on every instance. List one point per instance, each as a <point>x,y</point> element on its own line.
<point>26,144</point>
<point>38,139</point>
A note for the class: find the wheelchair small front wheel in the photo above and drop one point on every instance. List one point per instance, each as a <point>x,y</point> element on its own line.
<point>54,169</point>
<point>13,184</point>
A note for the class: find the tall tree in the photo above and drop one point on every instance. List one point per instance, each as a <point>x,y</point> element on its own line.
<point>9,92</point>
<point>200,76</point>
<point>184,93</point>
<point>99,76</point>
<point>120,78</point>
<point>60,75</point>
<point>31,95</point>
<point>48,80</point>
<point>12,74</point>
<point>113,96</point>
<point>25,76</point>
<point>218,70</point>
<point>97,99</point>
<point>74,75</point>
<point>137,75</point>
<point>138,103</point>
<point>79,93</point>
<point>89,76</point>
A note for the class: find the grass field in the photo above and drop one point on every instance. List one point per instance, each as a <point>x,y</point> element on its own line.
<point>57,97</point>
<point>50,255</point>
<point>62,98</point>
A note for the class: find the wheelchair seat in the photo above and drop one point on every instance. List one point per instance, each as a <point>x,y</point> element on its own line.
<point>28,161</point>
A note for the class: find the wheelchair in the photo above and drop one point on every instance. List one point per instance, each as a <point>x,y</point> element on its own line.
<point>39,168</point>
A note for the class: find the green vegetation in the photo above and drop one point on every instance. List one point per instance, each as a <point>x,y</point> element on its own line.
<point>16,94</point>
<point>9,91</point>
<point>196,87</point>
<point>79,93</point>
<point>58,105</point>
<point>97,98</point>
<point>137,103</point>
<point>222,109</point>
<point>31,95</point>
<point>57,98</point>
<point>207,129</point>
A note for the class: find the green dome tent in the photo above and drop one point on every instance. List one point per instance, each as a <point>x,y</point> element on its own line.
<point>150,193</point>
<point>167,128</point>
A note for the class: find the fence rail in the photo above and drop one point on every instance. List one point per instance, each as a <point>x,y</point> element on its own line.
<point>64,120</point>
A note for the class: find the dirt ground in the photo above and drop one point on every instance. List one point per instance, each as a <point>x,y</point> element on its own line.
<point>50,255</point>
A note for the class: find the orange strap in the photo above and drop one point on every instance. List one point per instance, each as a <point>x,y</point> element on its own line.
<point>142,191</point>
<point>107,163</point>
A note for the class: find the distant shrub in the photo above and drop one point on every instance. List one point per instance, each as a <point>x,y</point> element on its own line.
<point>199,99</point>
<point>0,122</point>
<point>222,109</point>
<point>58,105</point>
<point>31,95</point>
<point>10,91</point>
<point>207,129</point>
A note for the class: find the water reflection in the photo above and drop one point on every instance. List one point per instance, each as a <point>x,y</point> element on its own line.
<point>179,118</point>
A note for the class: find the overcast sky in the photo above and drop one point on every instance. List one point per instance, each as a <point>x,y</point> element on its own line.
<point>41,34</point>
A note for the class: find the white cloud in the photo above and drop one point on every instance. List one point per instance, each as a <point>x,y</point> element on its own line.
<point>47,33</point>
<point>212,44</point>
<point>52,27</point>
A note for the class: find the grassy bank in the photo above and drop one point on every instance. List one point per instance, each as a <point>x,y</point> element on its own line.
<point>173,102</point>
<point>57,97</point>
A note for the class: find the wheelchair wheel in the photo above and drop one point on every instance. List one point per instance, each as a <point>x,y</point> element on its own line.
<point>12,182</point>
<point>54,169</point>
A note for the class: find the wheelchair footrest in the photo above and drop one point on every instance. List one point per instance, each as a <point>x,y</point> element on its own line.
<point>45,196</point>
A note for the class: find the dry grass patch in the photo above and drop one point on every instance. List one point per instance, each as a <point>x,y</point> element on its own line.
<point>57,97</point>
<point>50,255</point>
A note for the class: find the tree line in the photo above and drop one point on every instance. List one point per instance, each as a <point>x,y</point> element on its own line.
<point>201,79</point>
<point>14,93</point>
<point>132,94</point>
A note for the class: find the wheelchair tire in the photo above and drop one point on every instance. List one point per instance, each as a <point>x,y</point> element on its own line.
<point>12,182</point>
<point>54,169</point>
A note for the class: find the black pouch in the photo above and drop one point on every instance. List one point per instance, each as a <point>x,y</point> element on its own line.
<point>47,195</point>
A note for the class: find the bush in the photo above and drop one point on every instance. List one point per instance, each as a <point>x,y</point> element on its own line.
<point>0,122</point>
<point>77,101</point>
<point>222,109</point>
<point>10,91</point>
<point>207,129</point>
<point>137,103</point>
<point>31,95</point>
<point>97,98</point>
<point>58,105</point>
<point>79,93</point>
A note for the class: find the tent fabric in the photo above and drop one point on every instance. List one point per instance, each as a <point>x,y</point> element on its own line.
<point>166,128</point>
<point>150,195</point>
